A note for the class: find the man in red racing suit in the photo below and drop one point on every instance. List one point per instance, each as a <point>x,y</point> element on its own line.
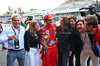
<point>51,58</point>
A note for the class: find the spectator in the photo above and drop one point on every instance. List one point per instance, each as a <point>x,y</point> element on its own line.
<point>63,35</point>
<point>87,43</point>
<point>23,24</point>
<point>9,35</point>
<point>28,23</point>
<point>40,24</point>
<point>75,46</point>
<point>32,44</point>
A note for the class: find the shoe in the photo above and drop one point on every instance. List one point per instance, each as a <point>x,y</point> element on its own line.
<point>4,48</point>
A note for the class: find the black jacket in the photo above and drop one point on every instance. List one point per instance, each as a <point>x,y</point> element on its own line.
<point>76,41</point>
<point>31,41</point>
<point>63,39</point>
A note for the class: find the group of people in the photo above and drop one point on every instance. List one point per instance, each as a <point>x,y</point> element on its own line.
<point>59,43</point>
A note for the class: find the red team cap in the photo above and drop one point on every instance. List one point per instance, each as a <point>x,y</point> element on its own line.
<point>48,16</point>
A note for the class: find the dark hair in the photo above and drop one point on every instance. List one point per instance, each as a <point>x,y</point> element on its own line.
<point>66,21</point>
<point>72,17</point>
<point>79,21</point>
<point>91,20</point>
<point>30,18</point>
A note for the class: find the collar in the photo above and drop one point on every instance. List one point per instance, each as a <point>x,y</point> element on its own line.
<point>16,29</point>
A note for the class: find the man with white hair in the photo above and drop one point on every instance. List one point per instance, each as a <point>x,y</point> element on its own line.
<point>10,34</point>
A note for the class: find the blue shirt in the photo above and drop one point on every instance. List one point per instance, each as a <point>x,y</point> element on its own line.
<point>40,24</point>
<point>7,32</point>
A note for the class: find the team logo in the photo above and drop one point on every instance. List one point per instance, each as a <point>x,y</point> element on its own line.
<point>54,28</point>
<point>47,31</point>
<point>51,42</point>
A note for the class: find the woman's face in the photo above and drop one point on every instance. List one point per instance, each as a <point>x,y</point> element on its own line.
<point>61,22</point>
<point>36,27</point>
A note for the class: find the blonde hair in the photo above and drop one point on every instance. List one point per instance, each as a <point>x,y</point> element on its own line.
<point>33,23</point>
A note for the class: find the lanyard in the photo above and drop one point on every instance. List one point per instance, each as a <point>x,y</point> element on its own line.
<point>15,32</point>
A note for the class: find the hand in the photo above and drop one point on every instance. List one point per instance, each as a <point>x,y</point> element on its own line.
<point>57,40</point>
<point>70,53</point>
<point>12,37</point>
<point>45,46</point>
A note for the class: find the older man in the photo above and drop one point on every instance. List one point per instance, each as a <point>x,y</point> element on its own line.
<point>9,35</point>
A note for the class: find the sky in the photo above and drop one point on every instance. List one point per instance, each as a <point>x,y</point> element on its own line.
<point>26,5</point>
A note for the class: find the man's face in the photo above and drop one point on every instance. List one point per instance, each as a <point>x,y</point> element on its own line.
<point>87,26</point>
<point>80,26</point>
<point>16,22</point>
<point>72,23</point>
<point>49,22</point>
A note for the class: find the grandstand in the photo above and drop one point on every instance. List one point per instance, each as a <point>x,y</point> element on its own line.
<point>71,7</point>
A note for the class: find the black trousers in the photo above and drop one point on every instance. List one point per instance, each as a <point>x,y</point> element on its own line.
<point>77,57</point>
<point>63,58</point>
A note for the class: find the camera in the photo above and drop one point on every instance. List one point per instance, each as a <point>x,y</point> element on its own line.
<point>92,9</point>
<point>30,17</point>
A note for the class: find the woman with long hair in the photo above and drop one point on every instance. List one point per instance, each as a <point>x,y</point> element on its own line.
<point>63,34</point>
<point>32,44</point>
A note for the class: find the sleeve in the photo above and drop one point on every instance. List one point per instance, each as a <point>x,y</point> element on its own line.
<point>3,37</point>
<point>26,41</point>
<point>72,41</point>
<point>57,32</point>
<point>2,26</point>
<point>39,37</point>
<point>41,33</point>
<point>55,42</point>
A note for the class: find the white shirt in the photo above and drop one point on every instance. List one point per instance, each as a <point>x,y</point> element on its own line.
<point>9,32</point>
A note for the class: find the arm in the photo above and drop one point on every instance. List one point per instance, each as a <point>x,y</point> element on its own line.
<point>3,37</point>
<point>41,40</point>
<point>1,26</point>
<point>26,41</point>
<point>71,42</point>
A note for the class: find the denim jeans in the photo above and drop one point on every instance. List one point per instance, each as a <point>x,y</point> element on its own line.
<point>63,58</point>
<point>19,55</point>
